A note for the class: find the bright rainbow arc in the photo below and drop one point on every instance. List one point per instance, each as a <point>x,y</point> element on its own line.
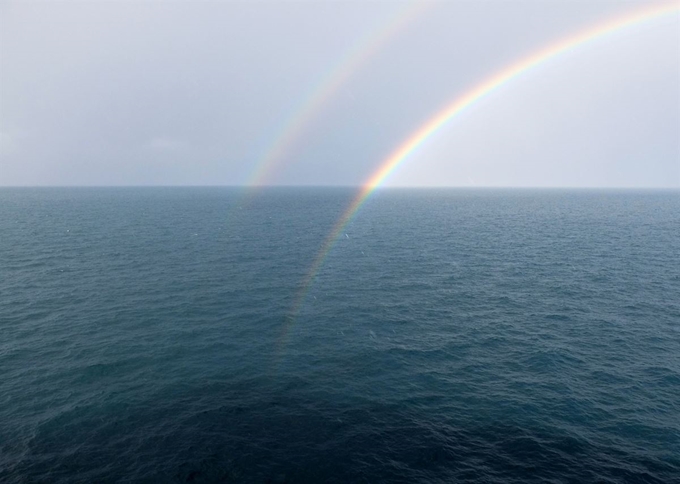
<point>361,52</point>
<point>452,110</point>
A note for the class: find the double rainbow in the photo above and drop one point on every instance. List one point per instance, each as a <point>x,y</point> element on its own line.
<point>454,109</point>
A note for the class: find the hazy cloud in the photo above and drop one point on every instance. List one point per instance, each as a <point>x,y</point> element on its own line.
<point>164,143</point>
<point>108,89</point>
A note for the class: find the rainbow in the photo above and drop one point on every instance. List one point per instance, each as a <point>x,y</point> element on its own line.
<point>362,51</point>
<point>455,108</point>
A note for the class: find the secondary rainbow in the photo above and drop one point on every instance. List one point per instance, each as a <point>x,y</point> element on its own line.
<point>362,51</point>
<point>456,107</point>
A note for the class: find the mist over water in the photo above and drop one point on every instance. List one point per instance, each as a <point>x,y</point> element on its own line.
<point>479,335</point>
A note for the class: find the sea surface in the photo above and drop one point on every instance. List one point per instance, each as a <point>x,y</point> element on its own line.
<point>149,335</point>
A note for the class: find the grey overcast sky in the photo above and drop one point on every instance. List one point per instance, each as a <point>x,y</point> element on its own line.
<point>196,93</point>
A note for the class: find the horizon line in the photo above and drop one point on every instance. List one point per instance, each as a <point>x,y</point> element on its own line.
<point>379,188</point>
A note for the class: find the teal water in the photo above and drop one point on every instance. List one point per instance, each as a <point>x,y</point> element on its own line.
<point>477,335</point>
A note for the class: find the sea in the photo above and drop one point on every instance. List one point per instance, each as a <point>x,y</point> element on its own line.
<point>152,335</point>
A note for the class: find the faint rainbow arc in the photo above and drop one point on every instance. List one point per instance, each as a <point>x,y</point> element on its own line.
<point>358,55</point>
<point>458,105</point>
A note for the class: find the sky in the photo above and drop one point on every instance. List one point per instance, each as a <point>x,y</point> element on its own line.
<point>109,93</point>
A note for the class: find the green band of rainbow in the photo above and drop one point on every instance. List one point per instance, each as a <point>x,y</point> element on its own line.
<point>454,109</point>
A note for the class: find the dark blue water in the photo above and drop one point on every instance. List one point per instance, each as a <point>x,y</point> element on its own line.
<point>486,336</point>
